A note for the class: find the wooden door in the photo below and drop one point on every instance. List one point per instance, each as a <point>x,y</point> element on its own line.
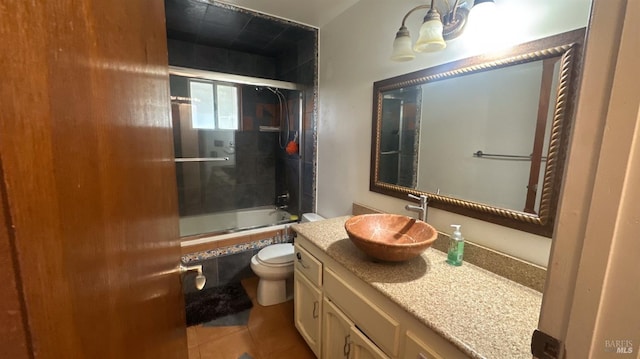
<point>592,289</point>
<point>87,182</point>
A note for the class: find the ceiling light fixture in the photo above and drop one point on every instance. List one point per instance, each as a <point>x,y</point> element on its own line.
<point>435,29</point>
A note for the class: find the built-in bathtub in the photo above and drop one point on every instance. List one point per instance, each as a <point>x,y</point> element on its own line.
<point>223,223</point>
<point>225,242</point>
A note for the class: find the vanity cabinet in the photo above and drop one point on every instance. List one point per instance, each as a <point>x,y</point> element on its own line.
<point>356,321</point>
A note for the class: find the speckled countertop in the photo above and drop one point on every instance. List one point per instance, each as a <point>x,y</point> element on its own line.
<point>483,314</point>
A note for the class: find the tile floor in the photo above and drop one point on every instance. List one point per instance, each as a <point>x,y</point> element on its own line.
<point>269,334</point>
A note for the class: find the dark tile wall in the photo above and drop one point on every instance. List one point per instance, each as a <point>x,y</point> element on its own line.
<point>222,270</point>
<point>255,169</point>
<point>295,59</point>
<point>292,55</point>
<point>288,164</point>
<point>259,108</point>
<point>216,24</point>
<point>298,64</point>
<point>251,182</point>
<point>190,55</point>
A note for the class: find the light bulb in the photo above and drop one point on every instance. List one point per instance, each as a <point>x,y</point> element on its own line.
<point>483,19</point>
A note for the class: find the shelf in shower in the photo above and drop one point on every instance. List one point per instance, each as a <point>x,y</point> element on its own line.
<point>269,129</point>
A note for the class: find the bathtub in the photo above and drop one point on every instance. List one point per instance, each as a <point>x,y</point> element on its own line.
<point>224,225</point>
<point>224,243</point>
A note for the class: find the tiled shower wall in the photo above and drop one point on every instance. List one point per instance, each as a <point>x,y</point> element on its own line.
<point>297,64</point>
<point>231,263</point>
<point>214,187</point>
<point>190,55</point>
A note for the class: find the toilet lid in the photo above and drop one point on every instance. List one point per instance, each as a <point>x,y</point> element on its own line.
<point>276,253</point>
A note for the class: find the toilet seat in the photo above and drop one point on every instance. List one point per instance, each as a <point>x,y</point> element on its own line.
<point>276,255</point>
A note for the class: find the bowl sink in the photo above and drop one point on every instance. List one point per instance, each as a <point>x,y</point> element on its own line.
<point>390,237</point>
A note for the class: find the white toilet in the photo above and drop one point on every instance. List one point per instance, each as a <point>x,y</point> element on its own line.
<point>274,267</point>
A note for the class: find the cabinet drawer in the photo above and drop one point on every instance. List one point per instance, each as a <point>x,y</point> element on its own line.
<point>308,265</point>
<point>376,324</point>
<point>417,349</point>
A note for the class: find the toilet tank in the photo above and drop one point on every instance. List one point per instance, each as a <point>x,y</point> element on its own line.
<point>311,217</point>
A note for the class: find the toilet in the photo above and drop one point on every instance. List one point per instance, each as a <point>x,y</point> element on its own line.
<point>274,267</point>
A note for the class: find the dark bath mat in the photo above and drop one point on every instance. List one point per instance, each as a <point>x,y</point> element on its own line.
<point>212,303</point>
<point>231,320</point>
<point>245,356</point>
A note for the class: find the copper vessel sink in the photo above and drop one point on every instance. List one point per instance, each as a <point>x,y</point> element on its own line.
<point>390,237</point>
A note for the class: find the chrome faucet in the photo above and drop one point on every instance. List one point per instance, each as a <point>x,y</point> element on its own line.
<point>282,203</point>
<point>278,209</point>
<point>422,208</point>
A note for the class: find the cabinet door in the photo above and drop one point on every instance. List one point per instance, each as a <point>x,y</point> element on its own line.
<point>307,300</point>
<point>362,348</point>
<point>336,332</point>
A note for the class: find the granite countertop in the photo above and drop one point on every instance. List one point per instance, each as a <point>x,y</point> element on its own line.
<point>483,314</point>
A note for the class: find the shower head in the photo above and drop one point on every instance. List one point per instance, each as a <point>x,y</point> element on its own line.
<point>273,90</point>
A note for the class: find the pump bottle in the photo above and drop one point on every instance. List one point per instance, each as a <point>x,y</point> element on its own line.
<point>456,247</point>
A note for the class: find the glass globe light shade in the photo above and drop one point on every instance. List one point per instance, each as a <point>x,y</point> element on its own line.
<point>402,49</point>
<point>430,37</point>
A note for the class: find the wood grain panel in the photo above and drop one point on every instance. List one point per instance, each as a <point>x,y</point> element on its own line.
<point>88,165</point>
<point>13,332</point>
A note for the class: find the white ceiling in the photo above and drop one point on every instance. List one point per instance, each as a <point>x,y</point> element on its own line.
<point>311,12</point>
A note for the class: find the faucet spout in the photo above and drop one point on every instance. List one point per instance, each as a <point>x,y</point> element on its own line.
<point>278,209</point>
<point>422,208</point>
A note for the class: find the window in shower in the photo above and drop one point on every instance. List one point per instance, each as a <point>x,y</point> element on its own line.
<point>214,105</point>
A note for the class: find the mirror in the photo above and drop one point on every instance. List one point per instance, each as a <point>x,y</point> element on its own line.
<point>485,136</point>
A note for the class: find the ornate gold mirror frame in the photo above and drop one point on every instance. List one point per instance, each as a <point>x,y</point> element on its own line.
<point>568,48</point>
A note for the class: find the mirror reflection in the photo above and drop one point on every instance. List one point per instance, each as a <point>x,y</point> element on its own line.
<point>487,122</point>
<point>399,140</point>
<point>483,136</point>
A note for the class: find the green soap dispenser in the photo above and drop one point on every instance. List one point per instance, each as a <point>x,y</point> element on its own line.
<point>456,247</point>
